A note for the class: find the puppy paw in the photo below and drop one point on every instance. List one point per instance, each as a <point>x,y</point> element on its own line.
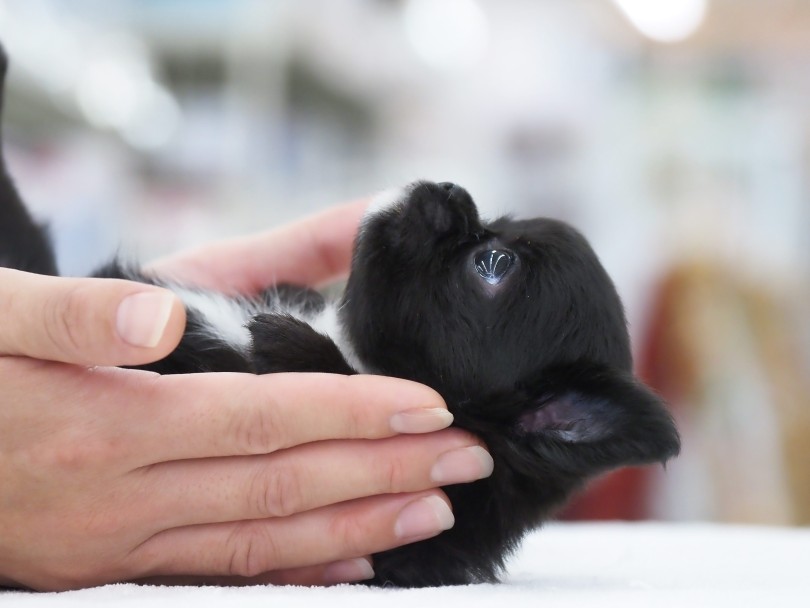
<point>282,343</point>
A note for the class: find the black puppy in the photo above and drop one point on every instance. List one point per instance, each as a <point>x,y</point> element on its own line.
<point>515,323</point>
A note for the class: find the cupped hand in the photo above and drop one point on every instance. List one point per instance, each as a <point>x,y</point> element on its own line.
<point>113,474</point>
<point>311,251</point>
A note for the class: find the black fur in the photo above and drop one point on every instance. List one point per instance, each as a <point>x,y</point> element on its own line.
<point>24,245</point>
<point>282,343</point>
<point>538,365</point>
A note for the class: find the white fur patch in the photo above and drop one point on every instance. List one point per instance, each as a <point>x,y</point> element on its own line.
<point>226,318</point>
<point>327,322</point>
<point>385,200</point>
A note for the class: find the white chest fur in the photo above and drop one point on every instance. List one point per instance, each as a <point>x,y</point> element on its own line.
<point>226,318</point>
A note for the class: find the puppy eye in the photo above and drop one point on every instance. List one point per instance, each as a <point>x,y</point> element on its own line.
<point>493,264</point>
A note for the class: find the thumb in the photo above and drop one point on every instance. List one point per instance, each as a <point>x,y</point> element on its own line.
<point>87,321</point>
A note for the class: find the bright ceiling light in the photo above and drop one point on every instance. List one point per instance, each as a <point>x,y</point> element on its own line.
<point>664,20</point>
<point>446,34</point>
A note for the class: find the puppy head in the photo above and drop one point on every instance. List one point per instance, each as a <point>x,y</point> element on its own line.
<point>515,323</point>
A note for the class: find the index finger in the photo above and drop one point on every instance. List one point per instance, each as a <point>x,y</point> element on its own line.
<point>227,414</point>
<point>309,252</point>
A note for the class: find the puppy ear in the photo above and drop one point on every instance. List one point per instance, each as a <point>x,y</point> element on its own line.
<point>608,409</point>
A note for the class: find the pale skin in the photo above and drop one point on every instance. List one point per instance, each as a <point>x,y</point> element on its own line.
<point>110,474</point>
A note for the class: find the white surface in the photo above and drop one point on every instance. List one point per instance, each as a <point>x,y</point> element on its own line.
<point>603,565</point>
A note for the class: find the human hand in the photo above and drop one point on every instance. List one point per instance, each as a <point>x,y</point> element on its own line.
<point>311,251</point>
<point>113,474</point>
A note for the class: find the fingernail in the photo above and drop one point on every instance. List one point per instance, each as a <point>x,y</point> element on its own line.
<point>423,518</point>
<point>348,571</point>
<point>142,317</point>
<point>424,420</point>
<point>463,464</point>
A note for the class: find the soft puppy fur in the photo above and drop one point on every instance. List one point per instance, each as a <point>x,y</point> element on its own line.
<point>515,323</point>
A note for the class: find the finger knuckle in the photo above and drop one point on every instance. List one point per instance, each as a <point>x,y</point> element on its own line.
<point>357,420</point>
<point>393,474</point>
<point>277,492</point>
<point>351,532</point>
<point>62,322</point>
<point>258,430</point>
<point>72,454</point>
<point>251,551</point>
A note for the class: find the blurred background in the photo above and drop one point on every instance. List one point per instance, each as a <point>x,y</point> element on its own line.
<point>674,133</point>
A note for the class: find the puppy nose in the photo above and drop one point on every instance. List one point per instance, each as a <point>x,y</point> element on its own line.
<point>493,264</point>
<point>455,193</point>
